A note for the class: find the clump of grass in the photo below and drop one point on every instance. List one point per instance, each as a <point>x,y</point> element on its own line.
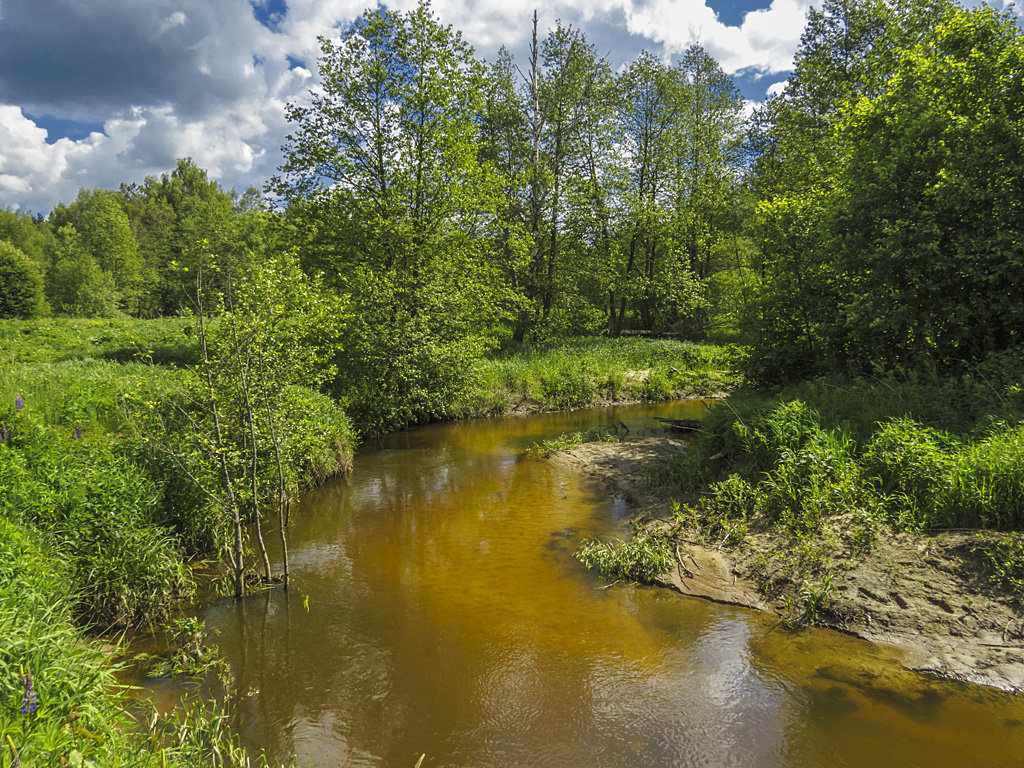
<point>812,596</point>
<point>567,440</point>
<point>1003,557</point>
<point>187,654</point>
<point>643,559</point>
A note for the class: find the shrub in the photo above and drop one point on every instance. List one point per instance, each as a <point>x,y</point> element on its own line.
<point>21,285</point>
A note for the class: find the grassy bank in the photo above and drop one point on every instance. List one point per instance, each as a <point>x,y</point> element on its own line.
<point>97,526</point>
<point>164,341</point>
<point>836,466</point>
<point>99,522</point>
<point>590,371</point>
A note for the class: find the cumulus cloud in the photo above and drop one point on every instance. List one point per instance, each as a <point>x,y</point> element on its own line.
<point>764,42</point>
<point>206,79</point>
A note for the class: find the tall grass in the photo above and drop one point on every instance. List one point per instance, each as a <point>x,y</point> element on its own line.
<point>910,455</point>
<point>60,704</point>
<point>65,472</point>
<point>579,372</point>
<point>164,341</point>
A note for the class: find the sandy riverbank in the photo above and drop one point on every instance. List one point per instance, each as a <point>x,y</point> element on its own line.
<point>927,595</point>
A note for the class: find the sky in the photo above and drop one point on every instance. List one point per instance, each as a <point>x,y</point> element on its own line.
<point>98,92</point>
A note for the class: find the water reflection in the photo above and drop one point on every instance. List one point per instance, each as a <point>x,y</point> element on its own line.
<point>437,610</point>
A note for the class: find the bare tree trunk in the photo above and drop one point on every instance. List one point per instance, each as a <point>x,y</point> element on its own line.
<point>237,556</point>
<point>283,502</point>
<point>242,363</point>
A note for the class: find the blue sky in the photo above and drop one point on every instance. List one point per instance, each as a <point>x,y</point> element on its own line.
<point>96,92</point>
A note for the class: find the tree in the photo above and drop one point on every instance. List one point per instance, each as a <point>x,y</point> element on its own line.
<point>104,237</point>
<point>930,200</point>
<point>890,224</point>
<point>75,284</point>
<point>383,176</point>
<point>652,103</point>
<point>795,159</point>
<point>26,233</point>
<point>21,287</point>
<point>177,218</point>
<point>269,331</point>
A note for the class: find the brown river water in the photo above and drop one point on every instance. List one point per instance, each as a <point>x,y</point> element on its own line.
<point>437,610</point>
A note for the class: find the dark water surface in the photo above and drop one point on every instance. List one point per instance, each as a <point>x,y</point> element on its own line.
<point>437,609</point>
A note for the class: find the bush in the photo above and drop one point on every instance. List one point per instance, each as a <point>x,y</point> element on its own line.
<point>21,285</point>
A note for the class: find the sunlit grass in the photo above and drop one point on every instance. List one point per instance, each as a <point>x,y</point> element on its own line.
<point>578,372</point>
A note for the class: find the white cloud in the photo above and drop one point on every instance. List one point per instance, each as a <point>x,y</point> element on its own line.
<point>766,40</point>
<point>203,78</point>
<point>176,19</point>
<point>777,88</point>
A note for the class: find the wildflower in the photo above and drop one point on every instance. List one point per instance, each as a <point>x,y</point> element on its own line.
<point>77,435</point>
<point>28,701</point>
<point>4,434</point>
<point>18,403</point>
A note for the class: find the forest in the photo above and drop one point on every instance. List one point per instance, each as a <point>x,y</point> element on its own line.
<point>449,237</point>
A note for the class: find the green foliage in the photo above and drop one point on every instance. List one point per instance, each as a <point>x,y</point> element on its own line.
<point>1003,555</point>
<point>27,234</point>
<point>95,265</point>
<point>21,287</point>
<point>188,654</point>
<point>97,509</point>
<point>397,123</point>
<point>889,215</point>
<point>811,597</point>
<point>165,341</point>
<point>81,716</point>
<point>121,515</point>
<point>73,711</point>
<point>75,283</point>
<point>643,559</point>
<point>912,456</point>
<point>178,218</point>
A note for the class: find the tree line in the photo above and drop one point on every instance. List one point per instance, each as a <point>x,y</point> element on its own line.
<point>865,217</point>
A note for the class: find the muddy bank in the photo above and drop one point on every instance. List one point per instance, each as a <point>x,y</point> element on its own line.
<point>528,406</point>
<point>928,595</point>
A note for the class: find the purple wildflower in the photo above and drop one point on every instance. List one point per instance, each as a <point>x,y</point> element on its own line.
<point>78,433</point>
<point>18,403</point>
<point>4,434</point>
<point>28,702</point>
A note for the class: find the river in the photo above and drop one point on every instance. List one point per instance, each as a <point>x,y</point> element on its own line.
<point>436,609</point>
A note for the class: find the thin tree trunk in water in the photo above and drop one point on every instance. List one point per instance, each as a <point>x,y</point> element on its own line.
<point>237,557</point>
<point>283,502</point>
<point>243,377</point>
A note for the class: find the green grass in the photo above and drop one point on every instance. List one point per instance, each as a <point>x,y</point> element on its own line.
<point>80,715</point>
<point>879,456</point>
<point>567,440</point>
<point>165,341</point>
<point>579,372</point>
<point>96,527</point>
